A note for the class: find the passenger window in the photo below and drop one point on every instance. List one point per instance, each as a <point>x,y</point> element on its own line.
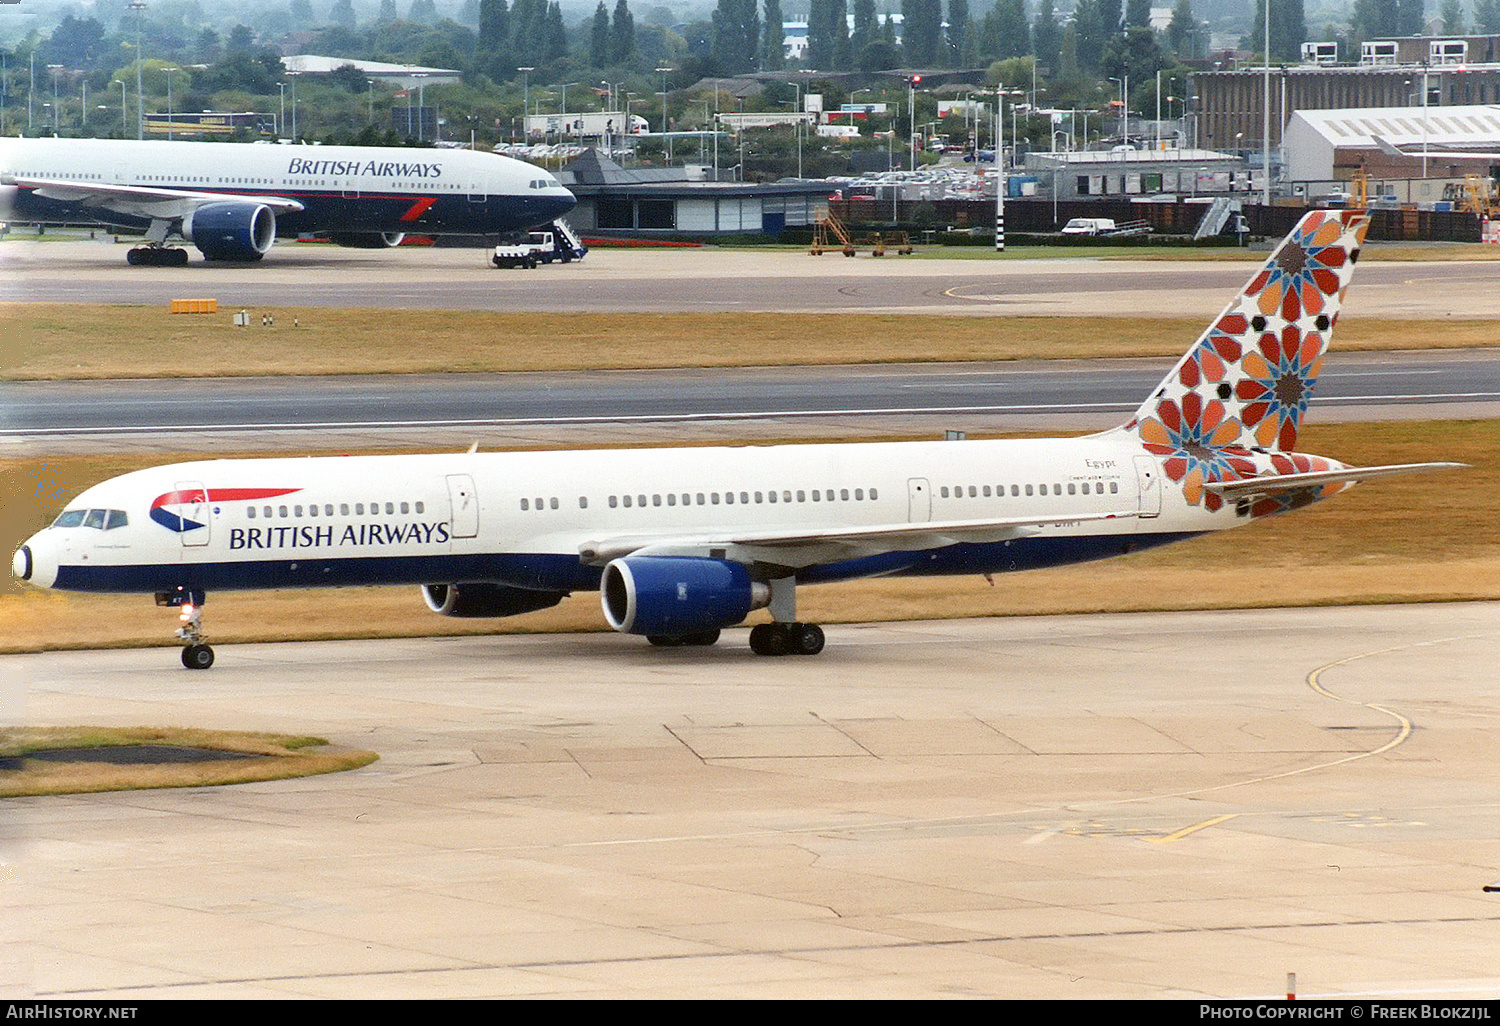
<point>250,512</point>
<point>729,498</point>
<point>986,491</point>
<point>656,500</point>
<point>405,508</point>
<point>943,492</point>
<point>800,496</point>
<point>671,498</point>
<point>344,509</point>
<point>1114,486</point>
<point>1028,490</point>
<point>1071,489</point>
<point>421,506</point>
<point>583,502</point>
<point>612,502</point>
<point>844,494</point>
<point>525,505</point>
<point>714,498</point>
<point>312,511</point>
<point>627,502</point>
<point>771,497</point>
<point>390,507</point>
<point>359,509</point>
<point>859,495</point>
<point>873,495</point>
<point>552,503</point>
<point>744,498</point>
<point>759,497</point>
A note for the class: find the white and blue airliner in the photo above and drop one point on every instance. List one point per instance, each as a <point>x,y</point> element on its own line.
<point>232,201</point>
<point>681,543</point>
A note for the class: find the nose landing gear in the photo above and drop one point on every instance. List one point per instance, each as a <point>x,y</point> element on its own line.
<point>195,654</point>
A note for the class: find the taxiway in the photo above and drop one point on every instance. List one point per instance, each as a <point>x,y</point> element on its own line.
<point>1163,806</point>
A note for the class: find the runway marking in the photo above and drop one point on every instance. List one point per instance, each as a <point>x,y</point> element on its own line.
<point>1185,831</point>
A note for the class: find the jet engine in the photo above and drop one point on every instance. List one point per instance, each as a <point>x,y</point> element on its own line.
<point>231,231</point>
<point>483,599</point>
<point>7,201</point>
<point>673,596</point>
<point>366,240</point>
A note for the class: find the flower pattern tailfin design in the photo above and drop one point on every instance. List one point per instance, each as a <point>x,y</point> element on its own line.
<point>1245,386</point>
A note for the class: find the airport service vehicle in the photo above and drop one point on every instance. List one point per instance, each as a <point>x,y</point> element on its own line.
<point>232,201</point>
<point>557,242</point>
<point>1089,226</point>
<point>681,543</point>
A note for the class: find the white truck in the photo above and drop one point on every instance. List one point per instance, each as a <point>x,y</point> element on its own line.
<point>556,242</point>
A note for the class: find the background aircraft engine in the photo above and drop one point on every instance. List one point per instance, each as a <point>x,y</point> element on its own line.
<point>366,240</point>
<point>231,231</point>
<point>7,200</point>
<point>482,599</point>
<point>677,595</point>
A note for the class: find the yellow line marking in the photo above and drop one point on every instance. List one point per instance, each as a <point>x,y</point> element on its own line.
<point>1179,835</point>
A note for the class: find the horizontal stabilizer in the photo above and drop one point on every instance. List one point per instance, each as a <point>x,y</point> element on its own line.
<point>1277,484</point>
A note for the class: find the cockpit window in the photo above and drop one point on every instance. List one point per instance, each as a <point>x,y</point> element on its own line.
<point>99,519</point>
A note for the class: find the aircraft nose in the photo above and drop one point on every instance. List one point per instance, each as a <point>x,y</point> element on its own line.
<point>557,206</point>
<point>35,563</point>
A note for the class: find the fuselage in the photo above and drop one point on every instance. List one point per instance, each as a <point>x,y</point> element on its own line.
<point>341,188</point>
<point>547,520</point>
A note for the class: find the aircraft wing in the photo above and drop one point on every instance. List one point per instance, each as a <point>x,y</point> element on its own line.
<point>1277,484</point>
<point>800,548</point>
<point>142,201</point>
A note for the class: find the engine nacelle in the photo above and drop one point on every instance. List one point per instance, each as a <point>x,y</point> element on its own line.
<point>677,595</point>
<point>366,240</point>
<point>484,599</point>
<point>231,231</point>
<point>8,195</point>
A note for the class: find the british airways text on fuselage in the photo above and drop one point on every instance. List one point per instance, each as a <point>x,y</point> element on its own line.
<point>374,169</point>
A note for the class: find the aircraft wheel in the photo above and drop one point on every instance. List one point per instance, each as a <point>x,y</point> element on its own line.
<point>197,657</point>
<point>702,638</point>
<point>806,638</point>
<point>768,639</point>
<point>664,640</point>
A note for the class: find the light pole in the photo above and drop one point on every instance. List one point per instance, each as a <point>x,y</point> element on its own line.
<point>124,124</point>
<point>56,105</point>
<point>139,7</point>
<point>281,118</point>
<point>911,100</point>
<point>525,102</point>
<point>666,135</point>
<point>169,71</point>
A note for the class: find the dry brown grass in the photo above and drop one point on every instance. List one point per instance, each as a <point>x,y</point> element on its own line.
<point>280,757</point>
<point>78,341</point>
<point>1405,539</point>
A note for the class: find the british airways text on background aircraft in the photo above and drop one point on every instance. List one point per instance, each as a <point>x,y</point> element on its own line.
<point>683,542</point>
<point>232,201</point>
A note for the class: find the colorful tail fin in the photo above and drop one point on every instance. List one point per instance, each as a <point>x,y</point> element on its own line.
<point>1247,382</point>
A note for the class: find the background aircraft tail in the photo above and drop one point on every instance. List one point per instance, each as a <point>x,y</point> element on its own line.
<point>1247,381</point>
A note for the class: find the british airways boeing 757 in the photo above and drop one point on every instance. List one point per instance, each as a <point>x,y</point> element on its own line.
<point>232,201</point>
<point>683,542</point>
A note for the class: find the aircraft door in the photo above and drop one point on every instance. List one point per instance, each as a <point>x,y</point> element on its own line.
<point>1148,486</point>
<point>919,500</point>
<point>465,506</point>
<point>193,514</point>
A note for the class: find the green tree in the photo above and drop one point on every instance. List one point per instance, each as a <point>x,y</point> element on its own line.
<point>599,37</point>
<point>736,38</point>
<point>1288,29</point>
<point>958,27</point>
<point>922,30</point>
<point>773,41</point>
<point>1046,37</point>
<point>621,34</point>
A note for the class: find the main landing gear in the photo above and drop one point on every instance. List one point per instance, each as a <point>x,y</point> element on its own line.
<point>157,256</point>
<point>774,639</point>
